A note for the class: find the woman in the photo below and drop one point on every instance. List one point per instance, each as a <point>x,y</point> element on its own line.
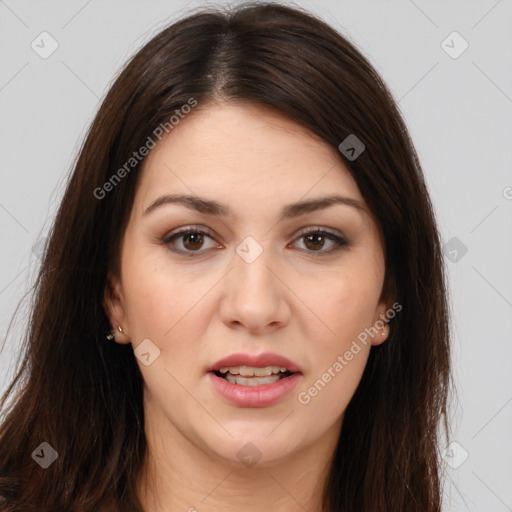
<point>242,301</point>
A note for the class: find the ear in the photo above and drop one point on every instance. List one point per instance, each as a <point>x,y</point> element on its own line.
<point>380,326</point>
<point>115,310</point>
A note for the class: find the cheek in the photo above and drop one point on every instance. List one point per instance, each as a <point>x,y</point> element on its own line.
<point>151,304</point>
<point>338,358</point>
<point>162,303</point>
<point>152,298</point>
<point>345,303</point>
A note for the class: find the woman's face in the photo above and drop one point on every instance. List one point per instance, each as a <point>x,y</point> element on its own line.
<point>251,278</point>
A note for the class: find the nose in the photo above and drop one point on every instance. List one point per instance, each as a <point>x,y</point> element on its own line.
<point>255,297</point>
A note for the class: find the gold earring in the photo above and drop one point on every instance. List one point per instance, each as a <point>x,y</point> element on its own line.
<point>110,335</point>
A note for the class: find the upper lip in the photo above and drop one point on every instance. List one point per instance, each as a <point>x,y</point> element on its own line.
<point>256,361</point>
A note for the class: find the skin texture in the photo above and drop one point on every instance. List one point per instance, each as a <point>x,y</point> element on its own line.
<point>306,305</point>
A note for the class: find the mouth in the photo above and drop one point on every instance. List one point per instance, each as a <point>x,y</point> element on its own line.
<point>250,380</point>
<point>253,391</point>
<point>253,376</point>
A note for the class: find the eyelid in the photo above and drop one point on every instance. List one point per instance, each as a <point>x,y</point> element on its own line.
<point>314,229</point>
<point>198,228</point>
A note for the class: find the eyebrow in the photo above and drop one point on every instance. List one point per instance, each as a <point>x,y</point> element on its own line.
<point>216,209</point>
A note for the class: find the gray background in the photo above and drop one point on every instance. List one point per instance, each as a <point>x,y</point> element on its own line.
<point>459,111</point>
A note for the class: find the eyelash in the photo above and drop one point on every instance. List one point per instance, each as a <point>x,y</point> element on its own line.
<point>340,241</point>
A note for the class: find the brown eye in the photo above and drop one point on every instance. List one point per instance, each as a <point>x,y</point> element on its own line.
<point>315,241</point>
<point>192,241</point>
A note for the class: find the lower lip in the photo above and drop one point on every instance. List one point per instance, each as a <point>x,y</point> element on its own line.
<point>255,396</point>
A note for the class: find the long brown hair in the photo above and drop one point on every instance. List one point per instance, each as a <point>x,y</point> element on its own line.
<point>83,395</point>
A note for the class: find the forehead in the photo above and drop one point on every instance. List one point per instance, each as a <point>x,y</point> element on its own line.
<point>246,152</point>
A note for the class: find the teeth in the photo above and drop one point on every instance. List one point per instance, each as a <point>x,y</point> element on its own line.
<point>254,381</point>
<point>250,371</point>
